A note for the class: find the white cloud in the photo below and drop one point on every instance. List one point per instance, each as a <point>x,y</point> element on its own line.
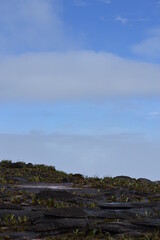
<point>116,154</point>
<point>121,19</point>
<point>106,1</point>
<point>75,75</point>
<point>154,114</point>
<point>150,46</point>
<point>141,19</point>
<point>80,3</point>
<point>32,25</point>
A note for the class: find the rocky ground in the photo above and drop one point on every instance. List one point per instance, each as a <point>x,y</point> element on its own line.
<point>69,206</point>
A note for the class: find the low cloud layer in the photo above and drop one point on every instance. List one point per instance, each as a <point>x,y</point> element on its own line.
<point>75,75</point>
<point>114,154</point>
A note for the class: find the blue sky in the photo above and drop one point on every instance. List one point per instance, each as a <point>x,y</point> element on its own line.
<point>80,85</point>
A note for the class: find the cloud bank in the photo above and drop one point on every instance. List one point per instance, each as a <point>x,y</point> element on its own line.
<point>75,75</point>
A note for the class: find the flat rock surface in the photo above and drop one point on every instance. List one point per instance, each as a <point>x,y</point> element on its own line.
<point>40,202</point>
<point>38,211</point>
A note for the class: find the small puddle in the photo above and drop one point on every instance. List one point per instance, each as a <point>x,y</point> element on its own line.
<point>42,186</point>
<point>48,186</point>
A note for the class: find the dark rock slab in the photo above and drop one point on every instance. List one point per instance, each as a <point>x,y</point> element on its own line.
<point>21,180</point>
<point>131,234</point>
<point>125,192</point>
<point>116,228</point>
<point>61,223</point>
<point>123,177</point>
<point>19,235</point>
<point>32,215</point>
<point>115,206</point>
<point>129,205</point>
<point>66,213</point>
<point>111,214</point>
<point>10,206</point>
<point>55,194</point>
<point>144,180</point>
<point>90,210</point>
<point>153,223</point>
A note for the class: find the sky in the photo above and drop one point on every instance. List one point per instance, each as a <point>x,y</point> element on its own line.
<point>80,85</point>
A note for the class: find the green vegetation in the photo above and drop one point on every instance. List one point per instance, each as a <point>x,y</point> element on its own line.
<point>13,222</point>
<point>48,174</point>
<point>33,173</point>
<point>97,234</point>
